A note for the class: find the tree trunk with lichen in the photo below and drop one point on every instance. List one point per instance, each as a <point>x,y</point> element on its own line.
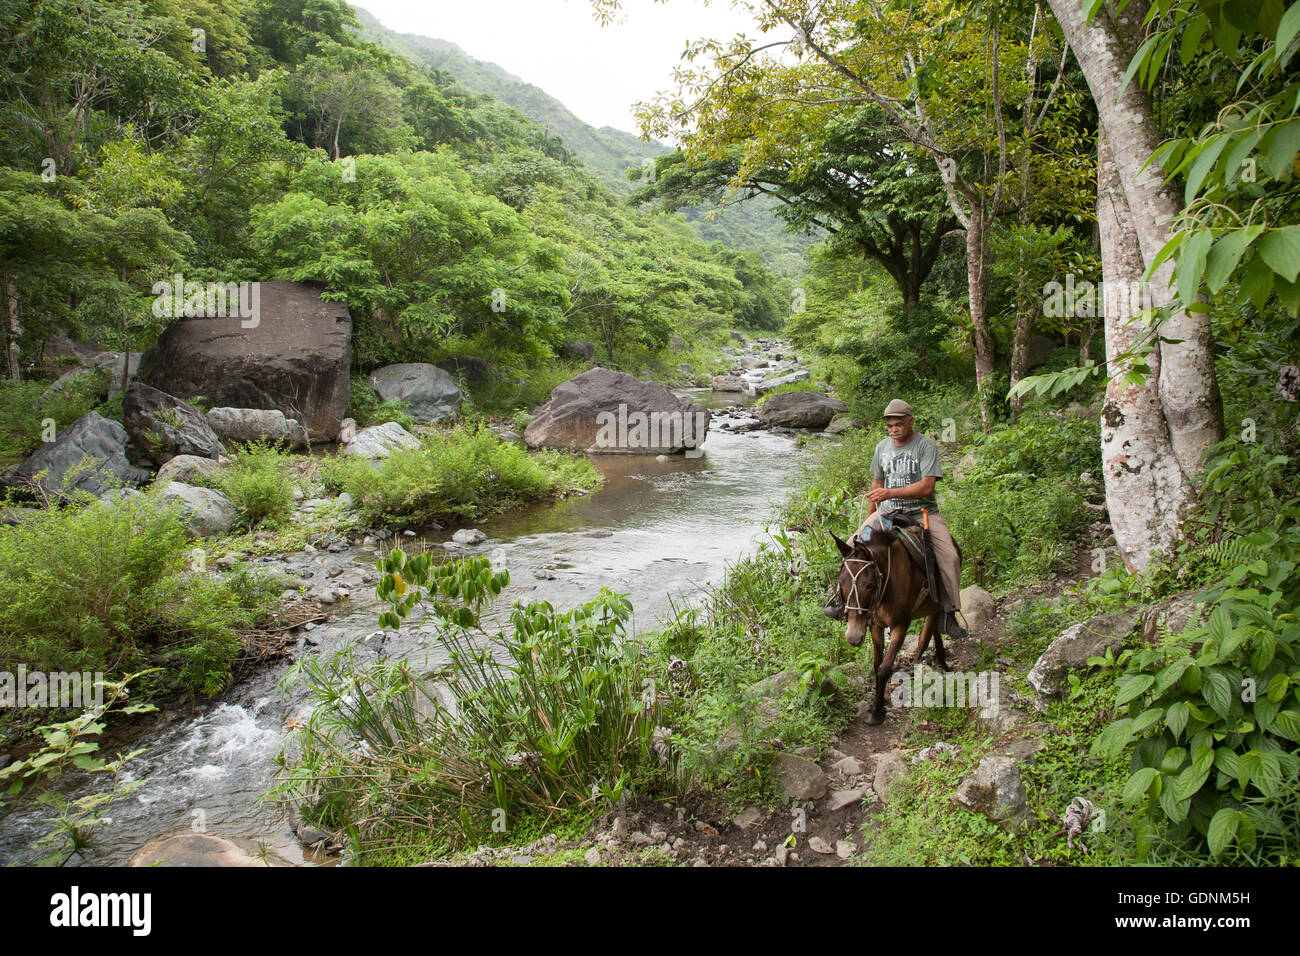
<point>1154,436</point>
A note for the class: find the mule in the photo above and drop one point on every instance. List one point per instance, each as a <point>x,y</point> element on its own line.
<point>881,587</point>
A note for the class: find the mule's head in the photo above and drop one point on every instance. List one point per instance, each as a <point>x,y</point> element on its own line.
<point>857,583</point>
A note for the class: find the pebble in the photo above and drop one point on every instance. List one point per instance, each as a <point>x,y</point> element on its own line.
<point>843,849</point>
<point>818,845</point>
<point>592,856</point>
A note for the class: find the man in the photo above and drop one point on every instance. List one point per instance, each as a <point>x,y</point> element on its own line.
<point>905,467</point>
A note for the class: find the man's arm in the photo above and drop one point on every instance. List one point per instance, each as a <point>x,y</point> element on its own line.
<point>918,489</point>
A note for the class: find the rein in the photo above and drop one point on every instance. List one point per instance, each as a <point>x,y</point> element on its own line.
<point>853,602</point>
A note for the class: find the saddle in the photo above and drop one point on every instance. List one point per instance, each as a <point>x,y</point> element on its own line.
<point>908,530</point>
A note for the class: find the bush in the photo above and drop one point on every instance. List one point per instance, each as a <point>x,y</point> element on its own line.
<point>258,484</point>
<point>102,587</point>
<point>23,414</point>
<point>462,473</point>
<point>366,408</point>
<point>554,718</point>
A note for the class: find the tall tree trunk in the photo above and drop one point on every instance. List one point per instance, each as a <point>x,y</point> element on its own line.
<point>1146,491</point>
<point>12,328</point>
<point>977,283</point>
<point>1188,393</point>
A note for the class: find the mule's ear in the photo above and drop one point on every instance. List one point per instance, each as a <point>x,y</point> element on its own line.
<point>845,550</point>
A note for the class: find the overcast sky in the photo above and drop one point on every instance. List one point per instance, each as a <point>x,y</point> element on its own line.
<point>597,72</point>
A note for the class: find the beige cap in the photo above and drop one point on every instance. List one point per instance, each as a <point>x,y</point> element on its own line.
<point>897,409</point>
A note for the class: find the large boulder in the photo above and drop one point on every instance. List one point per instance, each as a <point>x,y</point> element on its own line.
<point>428,392</point>
<point>93,437</point>
<point>185,468</point>
<point>729,383</point>
<point>995,789</point>
<point>606,412</point>
<point>798,410</point>
<point>380,441</point>
<point>798,778</point>
<point>1071,650</point>
<point>977,606</point>
<point>161,427</point>
<point>193,849</point>
<point>293,356</point>
<point>801,375</point>
<point>206,513</point>
<point>257,424</point>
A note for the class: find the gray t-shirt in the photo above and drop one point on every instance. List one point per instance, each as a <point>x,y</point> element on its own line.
<point>901,465</point>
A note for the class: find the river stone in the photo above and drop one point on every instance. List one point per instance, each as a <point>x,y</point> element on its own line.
<point>977,606</point>
<point>798,410</point>
<point>798,778</point>
<point>161,427</point>
<point>380,441</point>
<point>469,536</point>
<point>428,392</point>
<point>347,430</point>
<point>762,388</point>
<point>889,768</point>
<point>1071,650</point>
<point>843,798</point>
<point>206,512</point>
<point>294,356</point>
<point>844,423</point>
<point>606,412</point>
<point>94,437</point>
<point>185,468</point>
<point>256,424</point>
<point>193,849</point>
<point>729,383</point>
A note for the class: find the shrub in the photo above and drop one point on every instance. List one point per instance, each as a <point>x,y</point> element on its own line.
<point>258,484</point>
<point>550,719</point>
<point>462,473</point>
<point>367,409</point>
<point>23,412</point>
<point>102,587</point>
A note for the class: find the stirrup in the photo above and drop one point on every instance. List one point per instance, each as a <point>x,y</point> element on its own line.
<point>834,611</point>
<point>952,627</point>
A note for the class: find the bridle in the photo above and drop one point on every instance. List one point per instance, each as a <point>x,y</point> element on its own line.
<point>853,602</point>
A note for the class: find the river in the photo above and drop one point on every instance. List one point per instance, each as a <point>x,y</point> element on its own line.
<point>660,531</point>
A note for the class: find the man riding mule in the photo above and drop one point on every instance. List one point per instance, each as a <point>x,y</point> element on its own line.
<point>904,468</point>
<point>887,582</point>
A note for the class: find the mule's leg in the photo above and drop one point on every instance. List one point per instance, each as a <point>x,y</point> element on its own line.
<point>878,700</point>
<point>932,627</point>
<point>886,667</point>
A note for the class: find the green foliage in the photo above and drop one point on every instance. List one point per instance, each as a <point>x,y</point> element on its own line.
<point>258,484</point>
<point>555,715</point>
<point>1214,712</point>
<point>1015,511</point>
<point>101,587</point>
<point>461,473</point>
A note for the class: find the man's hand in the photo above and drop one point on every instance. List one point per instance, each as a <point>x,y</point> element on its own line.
<point>877,495</point>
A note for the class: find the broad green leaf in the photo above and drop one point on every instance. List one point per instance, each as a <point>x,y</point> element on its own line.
<point>1223,827</point>
<point>1139,784</point>
<point>1280,250</point>
<point>1223,258</point>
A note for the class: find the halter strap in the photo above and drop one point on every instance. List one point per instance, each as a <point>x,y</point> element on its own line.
<point>854,602</point>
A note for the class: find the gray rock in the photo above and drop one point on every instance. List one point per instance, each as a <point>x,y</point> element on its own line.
<point>428,392</point>
<point>606,412</point>
<point>1173,615</point>
<point>843,849</point>
<point>469,536</point>
<point>889,768</point>
<point>193,849</point>
<point>161,427</point>
<point>347,430</point>
<point>729,383</point>
<point>580,349</point>
<point>296,356</point>
<point>92,437</point>
<point>844,423</point>
<point>762,388</point>
<point>994,787</point>
<point>849,766</point>
<point>185,468</point>
<point>798,778</point>
<point>591,857</point>
<point>206,512</point>
<point>380,441</point>
<point>843,798</point>
<point>747,817</point>
<point>798,410</point>
<point>818,845</point>
<point>977,606</point>
<point>1071,650</point>
<point>256,424</point>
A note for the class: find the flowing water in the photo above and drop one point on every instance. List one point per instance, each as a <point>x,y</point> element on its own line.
<point>660,531</point>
